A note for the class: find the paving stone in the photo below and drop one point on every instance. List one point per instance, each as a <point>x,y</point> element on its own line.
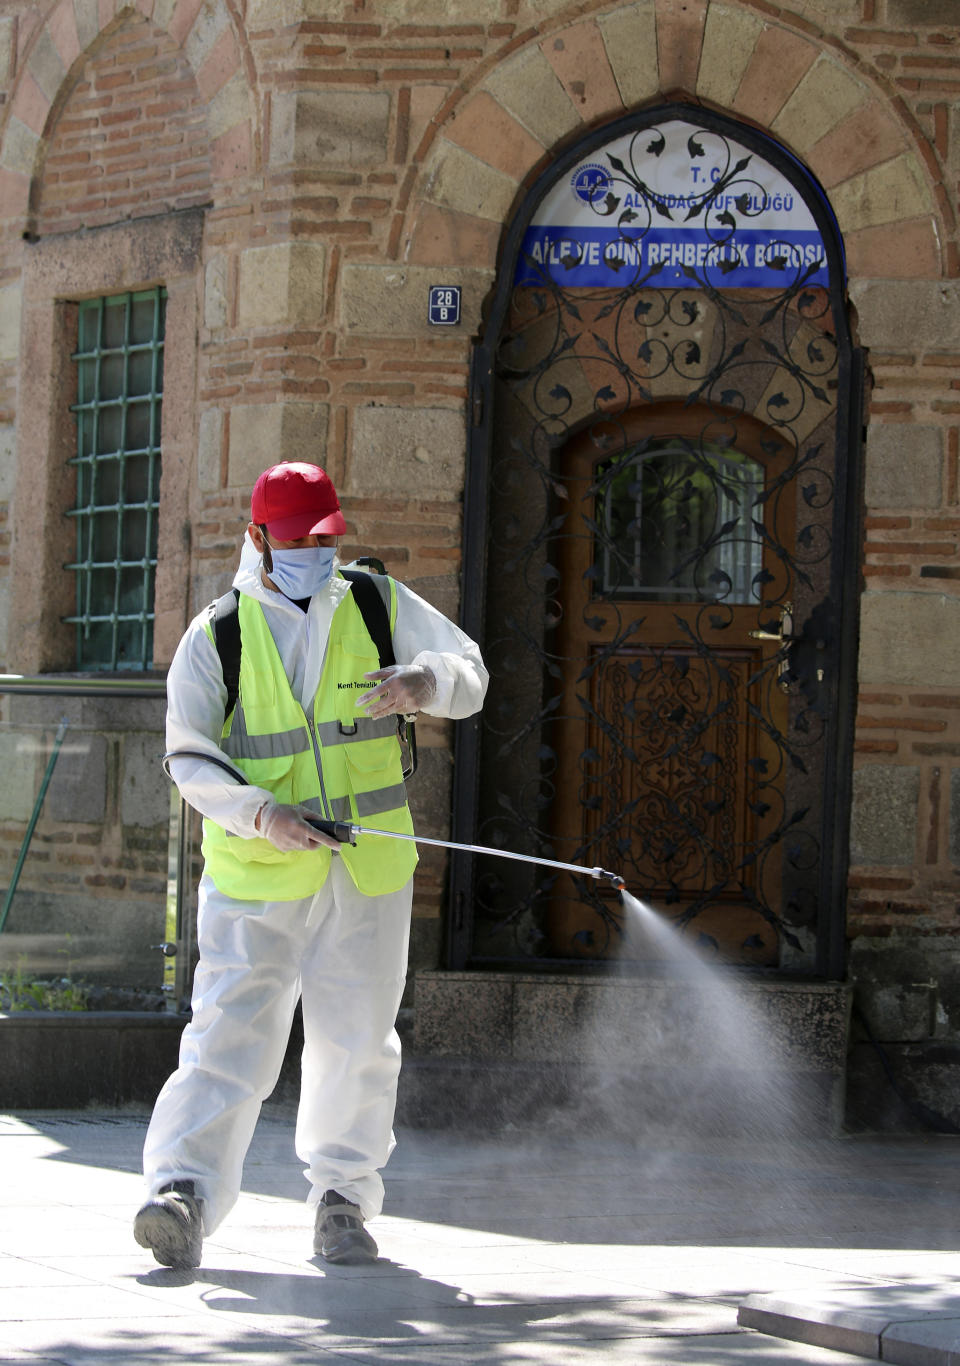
<point>7,47</point>
<point>865,138</point>
<point>212,20</point>
<point>530,1249</point>
<point>210,448</point>
<point>87,16</point>
<point>684,1350</point>
<point>275,431</point>
<point>412,448</point>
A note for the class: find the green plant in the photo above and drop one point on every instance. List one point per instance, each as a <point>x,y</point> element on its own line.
<point>19,991</point>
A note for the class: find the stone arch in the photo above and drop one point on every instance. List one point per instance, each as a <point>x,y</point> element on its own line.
<point>526,507</point>
<point>880,172</point>
<point>213,42</point>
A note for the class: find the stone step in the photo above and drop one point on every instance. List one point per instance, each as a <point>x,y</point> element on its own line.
<point>913,1325</point>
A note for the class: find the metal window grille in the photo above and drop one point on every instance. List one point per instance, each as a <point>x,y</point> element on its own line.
<point>119,361</point>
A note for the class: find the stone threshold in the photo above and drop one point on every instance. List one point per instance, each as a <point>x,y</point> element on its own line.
<point>911,1325</point>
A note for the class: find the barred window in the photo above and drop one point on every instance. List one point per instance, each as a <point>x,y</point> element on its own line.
<point>119,360</point>
<point>677,520</point>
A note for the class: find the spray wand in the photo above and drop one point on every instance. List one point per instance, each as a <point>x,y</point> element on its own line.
<point>345,832</point>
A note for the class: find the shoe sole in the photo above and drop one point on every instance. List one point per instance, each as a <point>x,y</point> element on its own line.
<point>350,1252</point>
<point>355,1257</point>
<point>162,1232</point>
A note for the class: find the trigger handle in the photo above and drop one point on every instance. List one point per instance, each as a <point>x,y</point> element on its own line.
<point>342,831</point>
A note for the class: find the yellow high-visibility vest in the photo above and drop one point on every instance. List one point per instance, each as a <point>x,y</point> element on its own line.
<point>340,763</point>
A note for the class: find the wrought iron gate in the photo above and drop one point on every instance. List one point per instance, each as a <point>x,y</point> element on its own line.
<point>661,544</point>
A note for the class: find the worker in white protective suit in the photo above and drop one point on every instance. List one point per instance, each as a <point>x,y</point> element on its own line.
<point>285,912</point>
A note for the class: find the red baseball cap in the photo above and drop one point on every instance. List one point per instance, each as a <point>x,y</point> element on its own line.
<point>296,499</point>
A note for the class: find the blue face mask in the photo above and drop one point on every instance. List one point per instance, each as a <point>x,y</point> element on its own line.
<point>301,573</point>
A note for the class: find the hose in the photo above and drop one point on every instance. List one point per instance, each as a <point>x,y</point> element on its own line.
<point>207,759</point>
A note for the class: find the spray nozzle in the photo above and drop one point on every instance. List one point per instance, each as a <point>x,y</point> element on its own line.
<point>615,878</point>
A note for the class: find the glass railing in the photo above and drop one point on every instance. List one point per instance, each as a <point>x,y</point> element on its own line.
<point>97,850</point>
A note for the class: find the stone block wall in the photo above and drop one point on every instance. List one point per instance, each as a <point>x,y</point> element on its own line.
<point>904,897</point>
<point>629,1054</point>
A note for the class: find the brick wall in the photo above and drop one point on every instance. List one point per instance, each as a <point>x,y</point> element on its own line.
<point>131,138</point>
<point>351,158</point>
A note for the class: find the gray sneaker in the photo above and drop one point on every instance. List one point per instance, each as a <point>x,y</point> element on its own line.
<point>171,1225</point>
<point>339,1235</point>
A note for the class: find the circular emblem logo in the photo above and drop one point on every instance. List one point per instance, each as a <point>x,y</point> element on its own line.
<point>590,182</point>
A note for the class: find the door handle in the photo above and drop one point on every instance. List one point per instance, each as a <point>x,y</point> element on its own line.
<point>785,630</point>
<point>783,636</point>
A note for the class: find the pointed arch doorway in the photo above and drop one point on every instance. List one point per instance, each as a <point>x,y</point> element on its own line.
<point>661,540</point>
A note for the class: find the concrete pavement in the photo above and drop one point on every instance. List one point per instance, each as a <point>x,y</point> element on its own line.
<point>500,1249</point>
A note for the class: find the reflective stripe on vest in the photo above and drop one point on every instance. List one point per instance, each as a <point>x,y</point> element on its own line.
<point>340,763</point>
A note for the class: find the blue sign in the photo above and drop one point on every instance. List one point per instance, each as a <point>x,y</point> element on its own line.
<point>673,207</point>
<point>444,306</point>
<point>671,257</point>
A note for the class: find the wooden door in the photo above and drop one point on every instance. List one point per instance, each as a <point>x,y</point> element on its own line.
<point>671,761</point>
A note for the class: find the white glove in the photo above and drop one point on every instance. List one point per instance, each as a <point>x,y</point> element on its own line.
<point>286,828</point>
<point>404,688</point>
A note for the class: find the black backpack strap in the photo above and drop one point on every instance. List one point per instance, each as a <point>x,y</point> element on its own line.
<point>226,637</point>
<point>369,597</point>
<point>371,593</point>
<point>226,628</point>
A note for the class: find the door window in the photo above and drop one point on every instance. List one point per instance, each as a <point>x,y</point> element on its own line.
<point>676,521</point>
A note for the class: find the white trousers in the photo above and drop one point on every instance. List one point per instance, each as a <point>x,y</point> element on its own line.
<point>345,956</point>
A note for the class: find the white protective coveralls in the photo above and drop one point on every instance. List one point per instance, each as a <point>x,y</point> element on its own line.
<point>343,953</point>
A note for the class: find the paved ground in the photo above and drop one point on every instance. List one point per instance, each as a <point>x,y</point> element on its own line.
<point>506,1251</point>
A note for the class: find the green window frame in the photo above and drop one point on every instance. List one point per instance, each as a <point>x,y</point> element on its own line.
<point>119,371</point>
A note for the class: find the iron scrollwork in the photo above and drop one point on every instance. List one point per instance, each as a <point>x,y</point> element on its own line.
<point>663,486</point>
